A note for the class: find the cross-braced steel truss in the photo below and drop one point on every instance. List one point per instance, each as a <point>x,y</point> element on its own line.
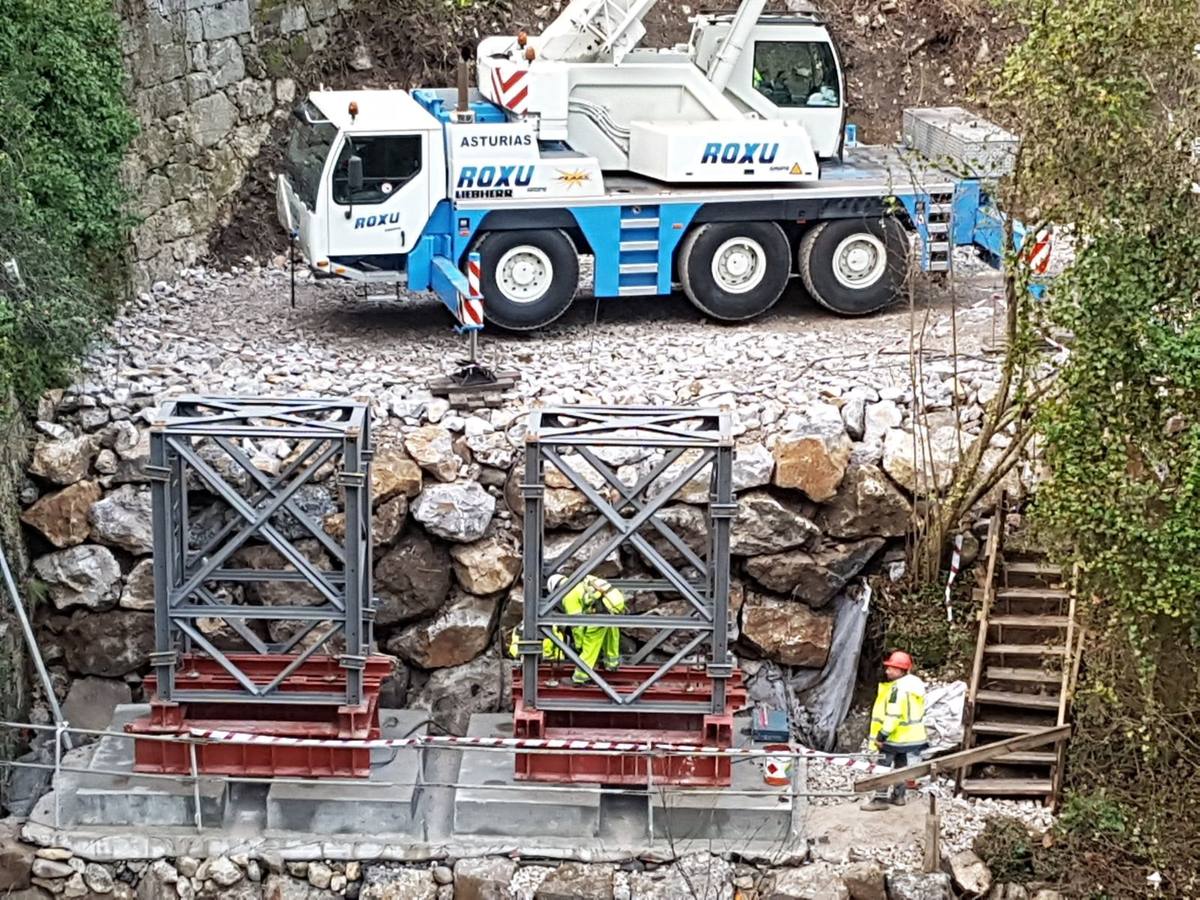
<point>201,457</point>
<point>680,447</point>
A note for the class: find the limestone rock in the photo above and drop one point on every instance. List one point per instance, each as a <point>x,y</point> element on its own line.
<point>577,881</point>
<point>397,884</point>
<point>919,886</point>
<point>767,524</point>
<point>753,466</point>
<point>865,880</point>
<point>313,500</point>
<point>411,580</point>
<point>556,545</point>
<point>393,473</point>
<point>62,517</point>
<point>452,695</point>
<point>16,861</point>
<point>110,644</point>
<point>816,881</point>
<point>484,878</point>
<point>488,565</point>
<point>787,632</point>
<point>224,871</point>
<point>264,557</point>
<point>866,504</point>
<point>924,464</point>
<point>567,508</point>
<point>432,446</point>
<point>51,868</point>
<point>492,449</point>
<point>879,419</point>
<point>457,512</point>
<point>816,577</point>
<point>387,521</point>
<point>688,523</point>
<point>90,701</point>
<point>456,634</point>
<point>66,461</point>
<point>85,575</point>
<point>283,887</point>
<point>814,456</point>
<point>122,519</point>
<point>970,873</point>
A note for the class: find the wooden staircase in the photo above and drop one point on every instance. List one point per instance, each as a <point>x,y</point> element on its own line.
<point>1026,662</point>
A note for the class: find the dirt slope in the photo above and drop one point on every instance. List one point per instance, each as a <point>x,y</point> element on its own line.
<point>896,53</point>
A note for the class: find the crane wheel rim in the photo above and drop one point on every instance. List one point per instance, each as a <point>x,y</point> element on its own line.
<point>859,261</point>
<point>739,265</point>
<point>524,274</point>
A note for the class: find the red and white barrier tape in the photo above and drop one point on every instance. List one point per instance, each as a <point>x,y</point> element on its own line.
<point>439,740</point>
<point>955,562</point>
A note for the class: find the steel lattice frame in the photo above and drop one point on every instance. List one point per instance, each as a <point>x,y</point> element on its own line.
<point>557,432</point>
<point>325,433</point>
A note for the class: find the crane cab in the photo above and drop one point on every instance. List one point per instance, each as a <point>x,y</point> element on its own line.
<point>789,69</point>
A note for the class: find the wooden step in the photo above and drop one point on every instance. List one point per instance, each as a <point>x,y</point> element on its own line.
<point>1031,567</point>
<point>1007,673</point>
<point>1026,649</point>
<point>1013,698</point>
<point>1007,787</point>
<point>1033,593</point>
<point>1030,620</point>
<point>1006,728</point>
<point>1025,758</point>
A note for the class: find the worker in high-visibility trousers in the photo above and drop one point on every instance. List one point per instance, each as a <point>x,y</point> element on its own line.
<point>897,725</point>
<point>550,649</point>
<point>594,643</point>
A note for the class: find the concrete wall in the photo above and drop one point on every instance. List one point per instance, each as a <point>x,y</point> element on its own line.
<point>206,78</point>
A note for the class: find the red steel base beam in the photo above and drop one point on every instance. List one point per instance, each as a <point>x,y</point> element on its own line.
<point>618,724</point>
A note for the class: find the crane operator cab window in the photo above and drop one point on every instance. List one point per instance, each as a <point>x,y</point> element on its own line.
<point>796,73</point>
<point>388,163</point>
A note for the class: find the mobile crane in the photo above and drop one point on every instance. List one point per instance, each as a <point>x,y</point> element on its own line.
<point>722,166</point>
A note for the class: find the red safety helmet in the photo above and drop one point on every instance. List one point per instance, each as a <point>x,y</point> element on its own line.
<point>898,659</point>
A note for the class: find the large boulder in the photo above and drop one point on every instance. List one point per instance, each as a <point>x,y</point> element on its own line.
<point>815,577</point>
<point>433,448</point>
<point>452,695</point>
<point>16,861</point>
<point>567,508</point>
<point>315,502</point>
<point>138,592</point>
<point>678,608</point>
<point>816,881</point>
<point>970,873</point>
<point>385,883</point>
<point>766,524</point>
<point>690,525</point>
<point>925,463</point>
<point>919,886</point>
<point>64,461</point>
<point>387,521</point>
<point>866,504</point>
<point>577,881</point>
<point>109,644</point>
<point>122,519</point>
<point>457,512</point>
<point>491,449</point>
<point>555,545</point>
<point>85,575</point>
<point>814,456</point>
<point>263,557</point>
<point>787,632</point>
<point>483,878</point>
<point>456,634</point>
<point>90,701</point>
<point>62,517</point>
<point>488,565</point>
<point>752,468</point>
<point>394,474</point>
<point>866,880</point>
<point>411,580</point>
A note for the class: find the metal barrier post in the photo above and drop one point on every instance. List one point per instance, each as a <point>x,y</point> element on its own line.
<point>198,817</point>
<point>649,792</point>
<point>59,727</point>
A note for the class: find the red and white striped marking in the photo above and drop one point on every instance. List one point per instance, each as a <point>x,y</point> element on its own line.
<point>470,307</point>
<point>955,563</point>
<point>1039,253</point>
<point>511,90</point>
<point>445,740</point>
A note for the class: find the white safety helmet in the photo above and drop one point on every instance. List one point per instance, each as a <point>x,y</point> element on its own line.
<point>555,581</point>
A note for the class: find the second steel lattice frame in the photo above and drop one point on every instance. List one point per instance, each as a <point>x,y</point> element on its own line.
<point>705,436</point>
<point>325,432</point>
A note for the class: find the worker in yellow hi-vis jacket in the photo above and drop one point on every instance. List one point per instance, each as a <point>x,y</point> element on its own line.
<point>898,724</point>
<point>592,642</point>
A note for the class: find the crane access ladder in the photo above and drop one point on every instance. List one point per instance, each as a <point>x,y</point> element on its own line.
<point>1026,664</point>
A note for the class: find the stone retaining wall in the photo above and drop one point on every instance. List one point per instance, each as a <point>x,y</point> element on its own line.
<point>206,79</point>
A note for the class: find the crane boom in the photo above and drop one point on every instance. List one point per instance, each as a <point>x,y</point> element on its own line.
<point>595,30</point>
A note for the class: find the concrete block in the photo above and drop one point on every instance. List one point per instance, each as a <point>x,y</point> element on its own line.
<point>102,798</point>
<point>368,807</point>
<point>482,806</point>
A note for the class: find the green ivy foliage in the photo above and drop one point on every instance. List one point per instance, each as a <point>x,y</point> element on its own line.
<point>62,220</point>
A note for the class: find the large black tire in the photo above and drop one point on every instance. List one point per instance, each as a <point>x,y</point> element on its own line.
<point>854,266</point>
<point>734,271</point>
<point>528,278</point>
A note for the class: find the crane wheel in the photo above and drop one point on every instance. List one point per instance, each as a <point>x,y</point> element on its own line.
<point>734,271</point>
<point>854,266</point>
<point>527,278</point>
